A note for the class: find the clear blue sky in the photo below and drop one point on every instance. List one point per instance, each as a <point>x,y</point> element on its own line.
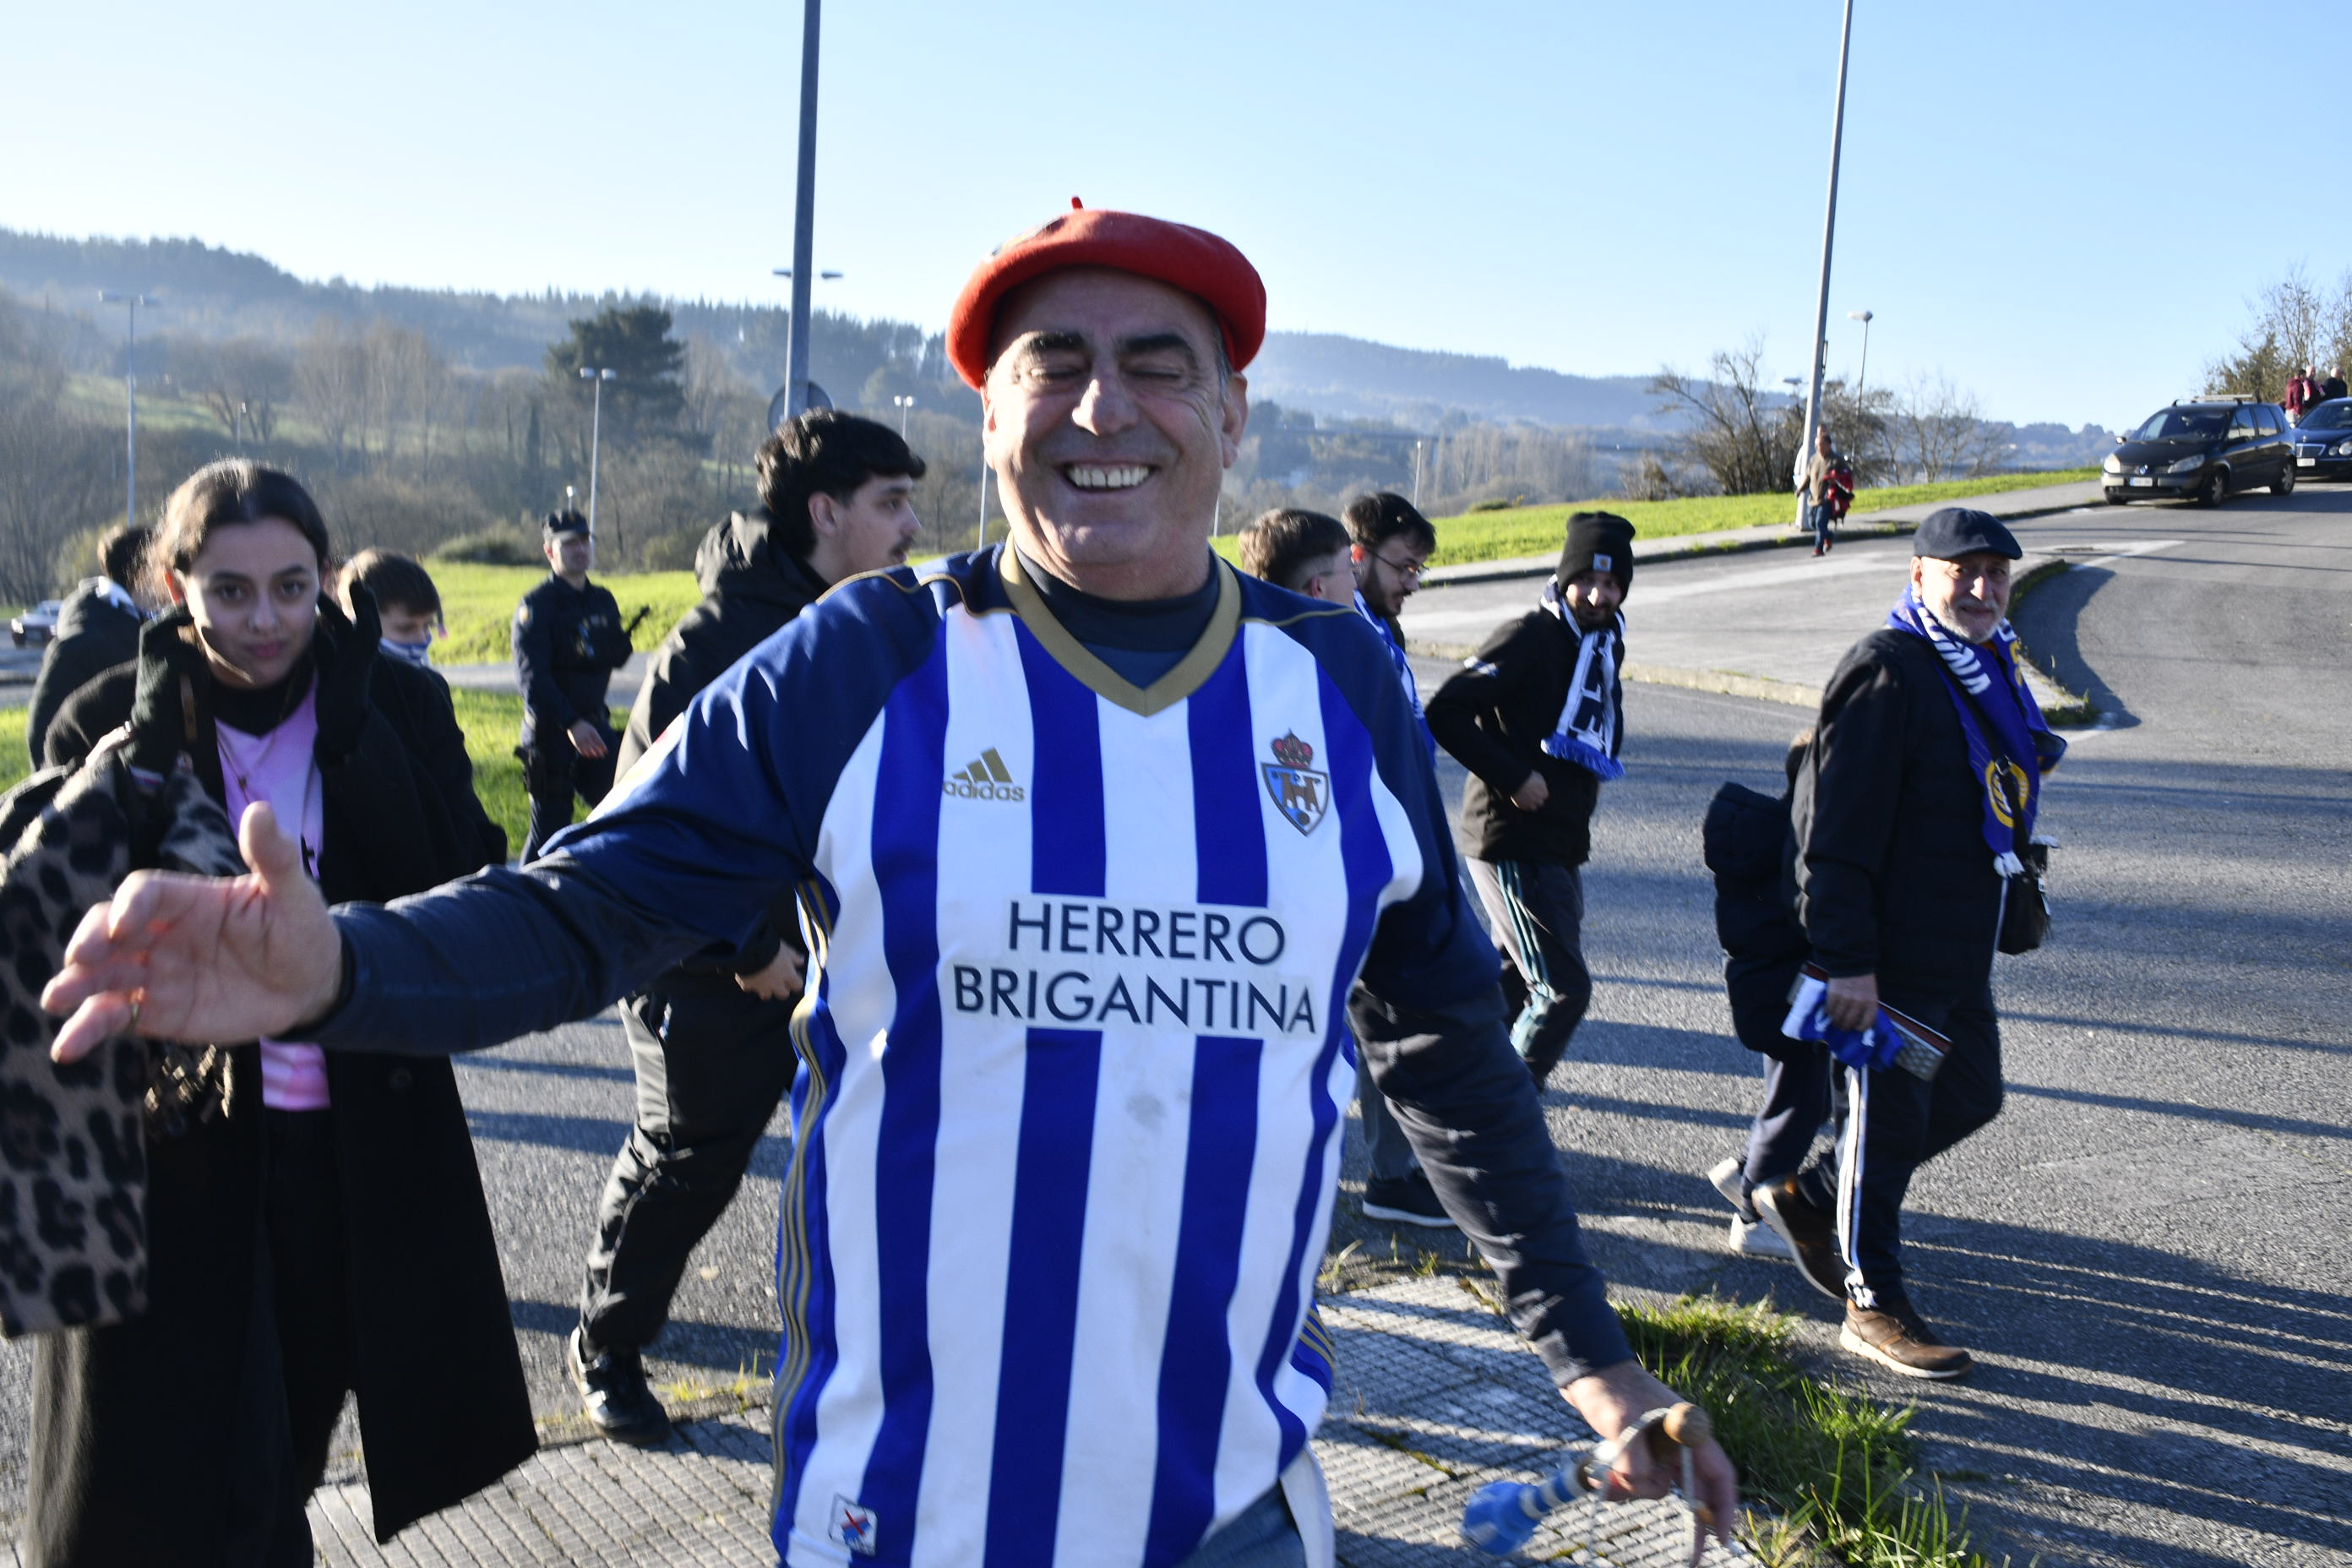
<point>2062,207</point>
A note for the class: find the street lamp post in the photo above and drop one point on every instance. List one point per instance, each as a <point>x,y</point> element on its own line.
<point>902,405</point>
<point>130,397</point>
<point>596,377</point>
<point>803,220</point>
<point>1416,476</point>
<point>1829,234</point>
<point>1864,317</point>
<point>796,330</point>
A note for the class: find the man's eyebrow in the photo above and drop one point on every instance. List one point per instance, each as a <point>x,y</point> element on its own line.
<point>1053,343</point>
<point>1155,343</point>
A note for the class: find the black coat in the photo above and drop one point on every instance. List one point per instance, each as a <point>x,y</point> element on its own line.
<point>567,643</point>
<point>145,1432</point>
<point>1494,715</point>
<point>94,635</point>
<point>1893,876</point>
<point>751,591</point>
<point>1745,839</point>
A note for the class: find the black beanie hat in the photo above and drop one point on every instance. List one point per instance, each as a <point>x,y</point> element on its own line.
<point>1598,541</point>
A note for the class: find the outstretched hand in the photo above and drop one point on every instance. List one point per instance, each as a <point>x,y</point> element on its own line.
<point>202,960</point>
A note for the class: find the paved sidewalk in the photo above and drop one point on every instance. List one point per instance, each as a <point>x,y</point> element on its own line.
<point>1436,1396</point>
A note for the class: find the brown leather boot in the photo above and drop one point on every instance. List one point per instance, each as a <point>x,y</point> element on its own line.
<point>1893,1335</point>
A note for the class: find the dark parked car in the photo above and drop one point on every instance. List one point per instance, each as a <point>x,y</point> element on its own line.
<point>2323,442</point>
<point>2204,448</point>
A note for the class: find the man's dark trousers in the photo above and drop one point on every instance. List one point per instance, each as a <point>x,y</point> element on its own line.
<point>554,773</point>
<point>1894,1123</point>
<point>1536,908</point>
<point>701,1110</point>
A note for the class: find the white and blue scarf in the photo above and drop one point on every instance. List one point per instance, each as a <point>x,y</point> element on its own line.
<point>1988,688</point>
<point>1396,658</point>
<point>1592,720</point>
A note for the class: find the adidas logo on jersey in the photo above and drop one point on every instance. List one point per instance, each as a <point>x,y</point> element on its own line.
<point>987,778</point>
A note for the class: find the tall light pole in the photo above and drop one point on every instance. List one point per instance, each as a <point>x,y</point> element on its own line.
<point>1864,317</point>
<point>795,328</point>
<point>131,395</point>
<point>1829,233</point>
<point>803,221</point>
<point>902,405</point>
<point>596,378</point>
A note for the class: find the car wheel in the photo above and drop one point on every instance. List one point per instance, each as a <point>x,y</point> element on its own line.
<point>2285,485</point>
<point>2116,498</point>
<point>2214,490</point>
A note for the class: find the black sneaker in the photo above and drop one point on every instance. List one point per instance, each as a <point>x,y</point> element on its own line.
<point>1892,1334</point>
<point>1407,1200</point>
<point>612,1391</point>
<point>1812,1238</point>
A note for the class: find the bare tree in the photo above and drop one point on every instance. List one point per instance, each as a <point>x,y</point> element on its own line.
<point>1739,434</point>
<point>55,473</point>
<point>241,382</point>
<point>1940,432</point>
<point>2293,324</point>
<point>330,379</point>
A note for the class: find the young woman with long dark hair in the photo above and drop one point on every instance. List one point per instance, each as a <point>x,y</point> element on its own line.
<point>325,1232</point>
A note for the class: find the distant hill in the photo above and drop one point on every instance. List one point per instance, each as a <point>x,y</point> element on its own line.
<point>1350,378</point>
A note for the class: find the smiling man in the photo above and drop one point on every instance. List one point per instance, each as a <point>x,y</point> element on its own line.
<point>1094,836</point>
<point>1911,812</point>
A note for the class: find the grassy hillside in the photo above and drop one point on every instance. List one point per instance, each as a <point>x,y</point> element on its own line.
<point>1537,529</point>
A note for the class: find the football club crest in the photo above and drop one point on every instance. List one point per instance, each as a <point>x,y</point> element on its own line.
<point>1299,792</point>
<point>853,1526</point>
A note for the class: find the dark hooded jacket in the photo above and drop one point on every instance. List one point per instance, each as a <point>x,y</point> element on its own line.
<point>95,633</point>
<point>751,590</point>
<point>148,1444</point>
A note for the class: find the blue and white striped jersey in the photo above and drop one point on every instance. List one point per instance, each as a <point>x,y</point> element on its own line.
<point>1076,1054</point>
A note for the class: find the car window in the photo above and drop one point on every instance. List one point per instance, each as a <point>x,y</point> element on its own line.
<point>2332,415</point>
<point>2183,425</point>
<point>2266,419</point>
<point>2242,424</point>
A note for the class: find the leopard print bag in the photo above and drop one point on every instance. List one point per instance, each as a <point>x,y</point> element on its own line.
<point>73,1153</point>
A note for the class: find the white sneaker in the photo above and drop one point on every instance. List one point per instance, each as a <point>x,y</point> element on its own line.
<point>1754,1238</point>
<point>1725,1179</point>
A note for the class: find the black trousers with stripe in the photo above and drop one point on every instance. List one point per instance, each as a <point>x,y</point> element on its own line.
<point>1893,1124</point>
<point>1536,908</point>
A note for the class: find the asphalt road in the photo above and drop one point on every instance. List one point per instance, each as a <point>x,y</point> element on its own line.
<point>2149,1251</point>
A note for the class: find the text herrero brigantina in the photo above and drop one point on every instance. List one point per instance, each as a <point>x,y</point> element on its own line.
<point>1092,963</point>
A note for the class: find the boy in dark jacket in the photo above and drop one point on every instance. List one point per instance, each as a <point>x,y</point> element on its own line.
<point>708,1039</point>
<point>1537,717</point>
<point>98,628</point>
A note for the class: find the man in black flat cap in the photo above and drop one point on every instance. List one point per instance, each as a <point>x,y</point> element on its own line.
<point>1910,814</point>
<point>1537,717</point>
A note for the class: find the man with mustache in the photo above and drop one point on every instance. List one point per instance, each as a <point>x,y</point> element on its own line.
<point>1911,812</point>
<point>1094,837</point>
<point>837,500</point>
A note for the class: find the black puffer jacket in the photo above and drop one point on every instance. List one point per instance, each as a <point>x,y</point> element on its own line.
<point>1745,843</point>
<point>751,591</point>
<point>1494,716</point>
<point>1893,876</point>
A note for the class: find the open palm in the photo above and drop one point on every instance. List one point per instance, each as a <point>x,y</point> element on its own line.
<point>200,959</point>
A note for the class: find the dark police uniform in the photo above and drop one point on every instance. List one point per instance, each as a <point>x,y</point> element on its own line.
<point>567,643</point>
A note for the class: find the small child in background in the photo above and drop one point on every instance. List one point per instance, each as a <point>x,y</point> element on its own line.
<point>1305,551</point>
<point>407,604</point>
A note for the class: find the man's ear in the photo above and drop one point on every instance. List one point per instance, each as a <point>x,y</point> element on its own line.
<point>1235,417</point>
<point>824,514</point>
<point>175,587</point>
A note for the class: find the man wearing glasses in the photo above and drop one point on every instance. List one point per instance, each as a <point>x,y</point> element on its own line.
<point>1391,542</point>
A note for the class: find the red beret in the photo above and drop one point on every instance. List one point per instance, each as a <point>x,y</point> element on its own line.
<point>1176,254</point>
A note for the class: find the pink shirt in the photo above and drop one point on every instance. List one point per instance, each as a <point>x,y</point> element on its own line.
<point>278,767</point>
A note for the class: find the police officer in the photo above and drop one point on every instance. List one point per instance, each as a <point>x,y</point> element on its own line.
<point>568,640</point>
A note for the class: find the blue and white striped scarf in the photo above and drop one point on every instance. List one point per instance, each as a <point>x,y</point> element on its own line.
<point>1592,725</point>
<point>1995,693</point>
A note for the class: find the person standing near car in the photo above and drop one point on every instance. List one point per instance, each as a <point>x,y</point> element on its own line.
<point>1827,486</point>
<point>709,1039</point>
<point>568,641</point>
<point>2333,386</point>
